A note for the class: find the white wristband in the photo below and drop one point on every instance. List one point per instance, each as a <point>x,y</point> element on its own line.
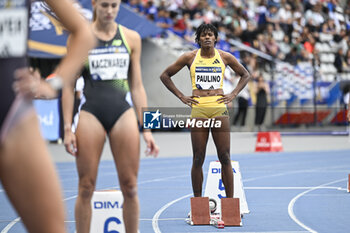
<point>55,82</point>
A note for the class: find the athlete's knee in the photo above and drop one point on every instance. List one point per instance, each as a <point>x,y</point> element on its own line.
<point>129,188</point>
<point>86,188</point>
<point>198,159</point>
<point>224,158</point>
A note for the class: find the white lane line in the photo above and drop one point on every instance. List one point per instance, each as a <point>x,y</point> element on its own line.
<point>161,210</point>
<point>256,232</point>
<point>292,203</point>
<point>10,225</point>
<point>13,222</point>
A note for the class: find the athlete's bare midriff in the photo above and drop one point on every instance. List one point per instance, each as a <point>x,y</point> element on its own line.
<point>203,93</point>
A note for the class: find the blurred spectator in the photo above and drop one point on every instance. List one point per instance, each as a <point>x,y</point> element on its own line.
<point>181,24</point>
<point>258,43</point>
<point>262,92</point>
<point>248,36</point>
<point>243,97</point>
<point>222,41</point>
<point>261,14</point>
<point>272,14</point>
<point>136,5</point>
<point>164,21</point>
<point>285,16</point>
<point>293,56</point>
<point>285,47</point>
<point>299,22</point>
<point>174,5</point>
<point>150,10</point>
<point>243,103</point>
<point>271,46</point>
<point>314,17</point>
<point>339,61</point>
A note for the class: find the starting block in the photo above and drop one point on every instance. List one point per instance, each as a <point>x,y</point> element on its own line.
<point>268,142</point>
<point>107,212</point>
<point>230,212</point>
<point>200,213</point>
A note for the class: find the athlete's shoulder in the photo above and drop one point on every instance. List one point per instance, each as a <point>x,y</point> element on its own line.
<point>188,57</point>
<point>190,54</point>
<point>132,34</point>
<point>223,53</point>
<point>226,56</point>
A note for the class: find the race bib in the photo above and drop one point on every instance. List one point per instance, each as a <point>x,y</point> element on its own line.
<point>13,32</point>
<point>109,66</point>
<point>208,78</point>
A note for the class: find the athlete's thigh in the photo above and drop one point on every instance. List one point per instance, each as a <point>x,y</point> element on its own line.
<point>29,178</point>
<point>199,137</point>
<point>221,135</point>
<point>90,137</point>
<point>125,144</point>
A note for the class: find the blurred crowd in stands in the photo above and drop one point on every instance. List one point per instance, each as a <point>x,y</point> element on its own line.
<point>293,31</point>
<point>285,29</point>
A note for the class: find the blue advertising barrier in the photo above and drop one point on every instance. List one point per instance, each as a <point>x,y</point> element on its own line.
<point>49,118</point>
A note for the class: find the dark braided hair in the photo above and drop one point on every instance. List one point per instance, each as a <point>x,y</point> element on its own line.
<point>203,28</point>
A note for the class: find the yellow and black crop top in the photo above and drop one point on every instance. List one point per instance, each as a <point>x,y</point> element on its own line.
<point>207,73</point>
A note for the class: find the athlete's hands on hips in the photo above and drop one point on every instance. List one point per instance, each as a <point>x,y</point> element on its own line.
<point>70,142</point>
<point>226,99</point>
<point>189,100</point>
<point>27,81</point>
<point>152,148</point>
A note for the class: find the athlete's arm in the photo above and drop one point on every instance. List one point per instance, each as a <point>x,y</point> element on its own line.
<point>80,42</point>
<point>138,93</point>
<point>165,77</point>
<point>239,69</point>
<point>67,111</point>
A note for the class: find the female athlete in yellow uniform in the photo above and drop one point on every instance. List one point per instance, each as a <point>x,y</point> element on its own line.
<point>207,67</point>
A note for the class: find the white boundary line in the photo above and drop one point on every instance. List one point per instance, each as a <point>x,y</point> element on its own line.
<point>160,211</point>
<point>257,232</point>
<point>292,203</point>
<point>10,225</point>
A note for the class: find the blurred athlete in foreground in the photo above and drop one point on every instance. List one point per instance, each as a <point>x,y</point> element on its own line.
<point>26,171</point>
